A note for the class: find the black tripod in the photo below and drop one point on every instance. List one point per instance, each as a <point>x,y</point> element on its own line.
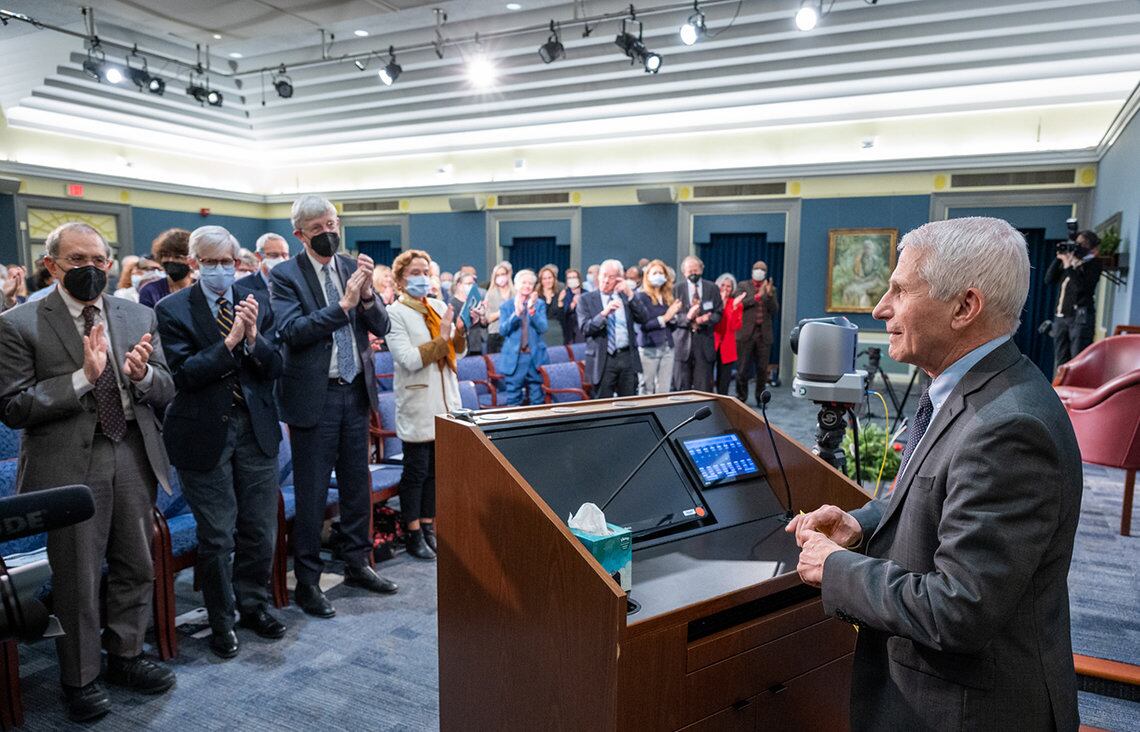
<point>831,423</point>
<point>874,366</point>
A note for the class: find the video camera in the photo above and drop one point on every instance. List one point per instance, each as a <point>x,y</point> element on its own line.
<point>22,616</point>
<point>1071,246</point>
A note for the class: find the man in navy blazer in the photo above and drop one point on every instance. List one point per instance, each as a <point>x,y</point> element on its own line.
<point>606,317</point>
<point>222,435</point>
<point>272,250</point>
<point>325,307</point>
<point>522,323</point>
<point>693,339</point>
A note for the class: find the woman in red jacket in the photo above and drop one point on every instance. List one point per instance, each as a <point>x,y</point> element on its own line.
<point>725,331</point>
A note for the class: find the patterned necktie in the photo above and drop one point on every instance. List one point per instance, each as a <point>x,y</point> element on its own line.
<point>108,403</point>
<point>524,337</point>
<point>611,331</point>
<point>225,321</point>
<point>918,429</point>
<point>342,336</point>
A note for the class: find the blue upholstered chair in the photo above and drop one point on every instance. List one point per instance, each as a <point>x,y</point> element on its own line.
<point>384,370</point>
<point>467,395</point>
<point>475,369</point>
<point>9,442</point>
<point>558,354</point>
<point>562,382</point>
<point>578,351</point>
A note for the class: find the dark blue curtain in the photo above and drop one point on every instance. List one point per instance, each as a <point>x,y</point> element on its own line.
<point>535,252</point>
<point>1040,303</point>
<point>735,253</point>
<point>381,250</point>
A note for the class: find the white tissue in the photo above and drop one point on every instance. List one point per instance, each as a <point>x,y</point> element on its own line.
<point>590,520</point>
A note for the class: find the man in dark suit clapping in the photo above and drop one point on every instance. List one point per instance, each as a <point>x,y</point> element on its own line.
<point>958,579</point>
<point>754,339</point>
<point>606,317</point>
<point>222,434</point>
<point>694,338</point>
<point>325,307</point>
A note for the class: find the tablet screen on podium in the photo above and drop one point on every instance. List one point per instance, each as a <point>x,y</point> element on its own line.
<point>572,461</point>
<point>720,459</point>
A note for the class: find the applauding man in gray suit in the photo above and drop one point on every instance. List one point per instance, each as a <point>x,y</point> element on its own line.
<point>83,374</point>
<point>957,579</point>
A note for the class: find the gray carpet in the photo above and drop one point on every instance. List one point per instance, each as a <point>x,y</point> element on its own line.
<point>374,665</point>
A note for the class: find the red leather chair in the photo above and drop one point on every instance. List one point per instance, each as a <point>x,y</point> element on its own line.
<point>1100,389</point>
<point>1097,365</point>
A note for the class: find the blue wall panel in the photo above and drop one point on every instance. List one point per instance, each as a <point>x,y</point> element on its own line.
<point>774,225</point>
<point>9,232</point>
<point>150,222</point>
<point>629,233</point>
<point>1050,218</point>
<point>558,228</point>
<point>389,232</point>
<point>822,214</point>
<point>451,239</point>
<point>1116,190</point>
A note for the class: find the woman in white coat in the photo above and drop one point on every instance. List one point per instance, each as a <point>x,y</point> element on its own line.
<point>425,340</point>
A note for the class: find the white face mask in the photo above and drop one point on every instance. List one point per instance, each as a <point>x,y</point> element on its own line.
<point>136,280</point>
<point>631,284</point>
<point>759,274</point>
<point>573,283</point>
<point>501,280</point>
<point>656,279</point>
<point>242,275</point>
<point>271,262</point>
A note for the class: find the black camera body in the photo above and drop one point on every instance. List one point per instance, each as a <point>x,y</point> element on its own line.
<point>1071,246</point>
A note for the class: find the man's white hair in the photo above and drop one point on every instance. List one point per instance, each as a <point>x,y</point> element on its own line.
<point>611,264</point>
<point>984,253</point>
<point>211,239</point>
<point>523,274</point>
<point>309,207</point>
<point>265,239</point>
<point>51,244</point>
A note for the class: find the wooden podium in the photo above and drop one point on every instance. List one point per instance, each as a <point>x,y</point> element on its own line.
<point>533,633</point>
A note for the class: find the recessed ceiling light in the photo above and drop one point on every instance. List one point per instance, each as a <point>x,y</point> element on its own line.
<point>514,6</point>
<point>361,33</point>
<point>235,54</point>
<point>217,36</point>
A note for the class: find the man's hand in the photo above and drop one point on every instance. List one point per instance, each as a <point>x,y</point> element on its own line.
<point>352,288</point>
<point>247,312</point>
<point>831,521</point>
<point>237,331</point>
<point>702,319</point>
<point>94,353</point>
<point>622,287</point>
<point>613,306</point>
<point>673,310</point>
<point>135,365</point>
<point>532,300</point>
<point>816,548</point>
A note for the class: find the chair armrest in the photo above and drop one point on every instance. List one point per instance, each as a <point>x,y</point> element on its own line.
<point>579,392</point>
<point>1106,390</point>
<point>1085,370</point>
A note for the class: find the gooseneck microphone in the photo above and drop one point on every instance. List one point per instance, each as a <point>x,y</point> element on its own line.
<point>40,511</point>
<point>764,398</point>
<point>702,413</point>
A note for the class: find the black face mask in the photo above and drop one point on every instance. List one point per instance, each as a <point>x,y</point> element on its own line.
<point>694,278</point>
<point>85,283</point>
<point>325,243</point>
<point>177,271</point>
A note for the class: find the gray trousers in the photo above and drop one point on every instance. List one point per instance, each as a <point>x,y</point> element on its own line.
<point>656,369</point>
<point>123,486</point>
<point>235,507</point>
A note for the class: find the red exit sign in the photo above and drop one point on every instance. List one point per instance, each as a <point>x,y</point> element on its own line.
<point>75,190</point>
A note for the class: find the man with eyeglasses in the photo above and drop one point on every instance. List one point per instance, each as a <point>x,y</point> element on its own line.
<point>82,373</point>
<point>222,433</point>
<point>325,308</point>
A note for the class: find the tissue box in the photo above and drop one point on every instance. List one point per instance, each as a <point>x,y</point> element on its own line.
<point>613,552</point>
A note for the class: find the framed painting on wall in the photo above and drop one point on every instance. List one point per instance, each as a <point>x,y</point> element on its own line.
<point>859,266</point>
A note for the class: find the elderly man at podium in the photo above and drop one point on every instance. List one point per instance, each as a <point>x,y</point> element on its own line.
<point>957,580</point>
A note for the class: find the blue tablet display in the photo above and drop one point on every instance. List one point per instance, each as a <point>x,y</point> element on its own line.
<point>720,459</point>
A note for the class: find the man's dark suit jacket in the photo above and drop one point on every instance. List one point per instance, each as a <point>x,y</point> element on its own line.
<point>305,326</point>
<point>961,588</point>
<point>203,368</point>
<point>771,305</point>
<point>699,342</point>
<point>592,324</point>
<point>255,281</point>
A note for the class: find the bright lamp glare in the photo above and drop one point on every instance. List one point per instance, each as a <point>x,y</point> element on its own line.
<point>688,34</point>
<point>113,75</point>
<point>806,18</point>
<point>481,71</point>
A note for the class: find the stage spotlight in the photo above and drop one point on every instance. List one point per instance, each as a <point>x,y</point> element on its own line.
<point>214,98</point>
<point>391,70</point>
<point>694,28</point>
<point>635,49</point>
<point>113,74</point>
<point>651,61</point>
<point>361,64</point>
<point>481,71</point>
<point>282,83</point>
<point>807,16</point>
<point>205,95</point>
<point>91,67</point>
<point>156,86</point>
<point>553,49</point>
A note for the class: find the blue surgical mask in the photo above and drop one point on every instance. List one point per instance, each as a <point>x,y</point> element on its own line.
<point>418,286</point>
<point>217,277</point>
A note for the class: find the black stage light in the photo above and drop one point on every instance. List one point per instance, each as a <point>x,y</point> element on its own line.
<point>553,49</point>
<point>283,84</point>
<point>156,86</point>
<point>633,47</point>
<point>214,98</point>
<point>391,70</point>
<point>694,28</point>
<point>205,95</point>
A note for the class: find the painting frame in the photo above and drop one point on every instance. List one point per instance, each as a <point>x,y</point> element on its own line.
<point>849,288</point>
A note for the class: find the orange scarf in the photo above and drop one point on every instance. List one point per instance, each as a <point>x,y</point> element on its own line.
<point>431,317</point>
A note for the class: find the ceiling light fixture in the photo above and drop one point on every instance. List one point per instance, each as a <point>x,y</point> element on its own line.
<point>360,33</point>
<point>235,54</point>
<point>807,17</point>
<point>514,6</point>
<point>633,47</point>
<point>362,63</point>
<point>391,70</point>
<point>139,73</point>
<point>217,36</point>
<point>204,94</point>
<point>481,71</point>
<point>694,28</point>
<point>156,86</point>
<point>553,49</point>
<point>282,83</point>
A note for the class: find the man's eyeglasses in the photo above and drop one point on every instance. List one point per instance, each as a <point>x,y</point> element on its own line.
<point>78,260</point>
<point>214,262</point>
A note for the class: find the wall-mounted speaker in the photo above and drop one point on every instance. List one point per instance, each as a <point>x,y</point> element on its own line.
<point>467,203</point>
<point>665,194</point>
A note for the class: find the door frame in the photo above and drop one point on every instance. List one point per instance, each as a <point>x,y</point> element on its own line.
<point>496,252</point>
<point>400,220</point>
<point>121,212</point>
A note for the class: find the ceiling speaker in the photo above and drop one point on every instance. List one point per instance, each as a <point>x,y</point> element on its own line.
<point>666,194</point>
<point>467,203</point>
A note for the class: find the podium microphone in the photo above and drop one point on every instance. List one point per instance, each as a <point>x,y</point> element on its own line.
<point>702,413</point>
<point>40,511</point>
<point>765,397</point>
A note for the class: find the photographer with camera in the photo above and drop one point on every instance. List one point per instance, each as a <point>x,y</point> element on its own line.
<point>1077,270</point>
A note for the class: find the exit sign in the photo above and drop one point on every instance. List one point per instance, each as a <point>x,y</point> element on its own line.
<point>75,190</point>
